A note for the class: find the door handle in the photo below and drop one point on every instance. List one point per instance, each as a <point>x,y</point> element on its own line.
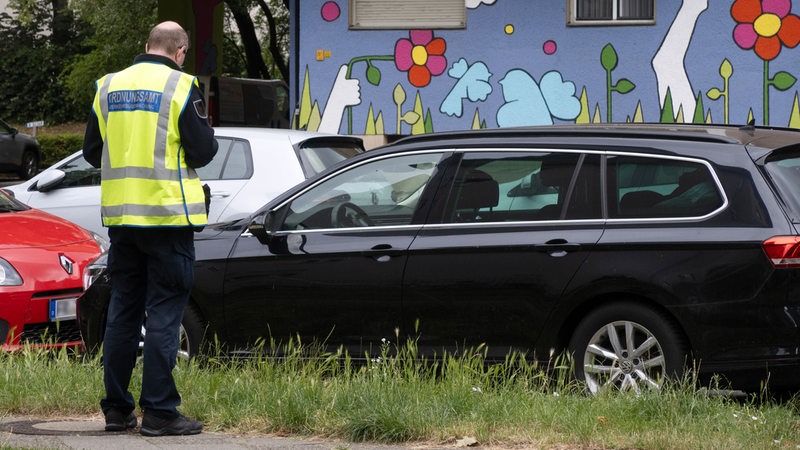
<point>557,247</point>
<point>382,252</point>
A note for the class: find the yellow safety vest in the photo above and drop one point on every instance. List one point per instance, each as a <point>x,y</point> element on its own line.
<point>144,177</point>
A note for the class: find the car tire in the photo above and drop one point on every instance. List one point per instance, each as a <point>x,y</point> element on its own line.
<point>626,346</point>
<point>29,166</point>
<point>190,334</point>
<point>193,328</point>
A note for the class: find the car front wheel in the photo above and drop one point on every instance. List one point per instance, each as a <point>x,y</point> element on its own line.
<point>627,347</point>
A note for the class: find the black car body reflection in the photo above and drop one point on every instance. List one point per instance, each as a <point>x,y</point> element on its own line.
<point>641,250</point>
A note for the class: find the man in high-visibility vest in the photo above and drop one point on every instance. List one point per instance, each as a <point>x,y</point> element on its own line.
<point>147,132</point>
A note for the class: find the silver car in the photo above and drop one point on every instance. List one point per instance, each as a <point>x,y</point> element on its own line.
<point>252,166</point>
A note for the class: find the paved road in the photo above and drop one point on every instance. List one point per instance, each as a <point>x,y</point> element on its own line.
<point>26,432</point>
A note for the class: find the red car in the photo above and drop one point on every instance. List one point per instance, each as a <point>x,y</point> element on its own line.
<point>42,263</point>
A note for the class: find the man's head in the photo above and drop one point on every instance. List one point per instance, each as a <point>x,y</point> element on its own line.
<point>168,39</point>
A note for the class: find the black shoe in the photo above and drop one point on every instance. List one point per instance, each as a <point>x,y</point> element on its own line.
<point>118,421</point>
<point>153,425</point>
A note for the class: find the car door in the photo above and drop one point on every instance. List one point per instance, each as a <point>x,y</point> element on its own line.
<point>513,229</point>
<point>332,269</point>
<point>226,174</point>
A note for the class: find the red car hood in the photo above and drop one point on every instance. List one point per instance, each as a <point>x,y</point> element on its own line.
<point>34,228</point>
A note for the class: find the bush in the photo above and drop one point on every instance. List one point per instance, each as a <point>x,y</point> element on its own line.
<point>58,146</point>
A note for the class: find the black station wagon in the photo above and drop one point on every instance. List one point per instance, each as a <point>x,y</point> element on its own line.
<point>643,250</point>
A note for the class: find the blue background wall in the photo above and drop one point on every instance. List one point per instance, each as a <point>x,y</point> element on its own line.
<point>534,70</point>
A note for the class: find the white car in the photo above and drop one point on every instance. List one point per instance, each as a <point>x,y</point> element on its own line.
<point>252,166</point>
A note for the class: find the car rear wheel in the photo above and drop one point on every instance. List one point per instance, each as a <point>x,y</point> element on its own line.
<point>29,166</point>
<point>190,334</point>
<point>627,347</point>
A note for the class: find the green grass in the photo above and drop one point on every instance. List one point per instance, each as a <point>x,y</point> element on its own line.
<point>395,397</point>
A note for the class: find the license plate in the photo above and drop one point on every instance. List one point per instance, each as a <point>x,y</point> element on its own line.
<point>62,309</point>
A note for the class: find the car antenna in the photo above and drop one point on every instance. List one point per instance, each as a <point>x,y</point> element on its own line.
<point>750,127</point>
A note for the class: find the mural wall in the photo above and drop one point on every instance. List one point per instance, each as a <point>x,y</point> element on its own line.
<point>518,63</point>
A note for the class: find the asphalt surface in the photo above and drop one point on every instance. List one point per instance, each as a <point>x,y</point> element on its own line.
<point>27,432</point>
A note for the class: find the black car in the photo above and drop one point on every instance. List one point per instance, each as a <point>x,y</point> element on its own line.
<point>19,153</point>
<point>640,249</point>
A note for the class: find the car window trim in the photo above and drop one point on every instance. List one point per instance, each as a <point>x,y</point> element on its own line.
<point>603,175</point>
<point>577,222</point>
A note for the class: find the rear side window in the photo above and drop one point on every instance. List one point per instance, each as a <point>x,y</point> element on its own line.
<point>233,161</point>
<point>784,171</point>
<point>642,187</point>
<point>525,186</point>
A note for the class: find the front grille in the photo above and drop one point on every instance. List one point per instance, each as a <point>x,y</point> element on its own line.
<point>51,333</point>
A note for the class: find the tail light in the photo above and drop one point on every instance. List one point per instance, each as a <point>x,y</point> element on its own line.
<point>783,251</point>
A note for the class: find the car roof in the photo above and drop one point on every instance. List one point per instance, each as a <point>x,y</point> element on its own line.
<point>751,136</point>
<point>294,136</point>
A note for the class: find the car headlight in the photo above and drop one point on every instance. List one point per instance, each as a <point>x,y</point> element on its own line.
<point>94,270</point>
<point>101,241</point>
<point>8,275</point>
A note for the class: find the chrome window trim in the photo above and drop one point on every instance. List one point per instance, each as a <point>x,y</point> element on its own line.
<point>349,229</point>
<point>465,151</point>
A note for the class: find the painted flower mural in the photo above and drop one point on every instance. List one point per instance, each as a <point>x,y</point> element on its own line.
<point>765,26</point>
<point>422,56</point>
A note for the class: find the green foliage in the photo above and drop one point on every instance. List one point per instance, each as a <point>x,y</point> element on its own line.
<point>33,58</point>
<point>119,30</point>
<point>58,146</point>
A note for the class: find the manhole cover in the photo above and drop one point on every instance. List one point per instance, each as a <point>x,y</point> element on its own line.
<point>56,427</point>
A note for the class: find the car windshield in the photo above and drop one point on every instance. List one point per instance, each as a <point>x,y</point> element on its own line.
<point>9,203</point>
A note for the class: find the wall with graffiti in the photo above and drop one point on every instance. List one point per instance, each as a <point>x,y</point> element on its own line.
<point>518,63</point>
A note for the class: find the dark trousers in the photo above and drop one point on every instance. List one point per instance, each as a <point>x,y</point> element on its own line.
<point>151,272</point>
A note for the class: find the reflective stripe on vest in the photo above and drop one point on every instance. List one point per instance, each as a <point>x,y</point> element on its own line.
<point>168,193</point>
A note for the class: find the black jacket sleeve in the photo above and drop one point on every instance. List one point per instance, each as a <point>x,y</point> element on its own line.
<point>197,136</point>
<point>93,141</point>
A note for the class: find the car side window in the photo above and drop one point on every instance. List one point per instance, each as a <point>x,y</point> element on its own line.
<point>384,192</point>
<point>525,186</point>
<point>233,161</point>
<point>642,187</point>
<point>78,172</point>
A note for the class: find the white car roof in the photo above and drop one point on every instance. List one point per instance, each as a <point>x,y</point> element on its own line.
<point>294,136</point>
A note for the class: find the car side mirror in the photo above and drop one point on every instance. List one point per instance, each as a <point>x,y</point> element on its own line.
<point>49,179</point>
<point>261,227</point>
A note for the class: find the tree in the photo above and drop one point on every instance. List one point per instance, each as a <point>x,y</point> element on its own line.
<point>39,40</point>
<point>249,46</point>
<point>119,30</point>
<point>54,50</point>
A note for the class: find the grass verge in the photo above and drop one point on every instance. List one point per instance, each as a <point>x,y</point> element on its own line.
<point>397,397</point>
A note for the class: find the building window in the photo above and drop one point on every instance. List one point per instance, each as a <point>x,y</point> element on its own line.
<point>407,14</point>
<point>611,12</point>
